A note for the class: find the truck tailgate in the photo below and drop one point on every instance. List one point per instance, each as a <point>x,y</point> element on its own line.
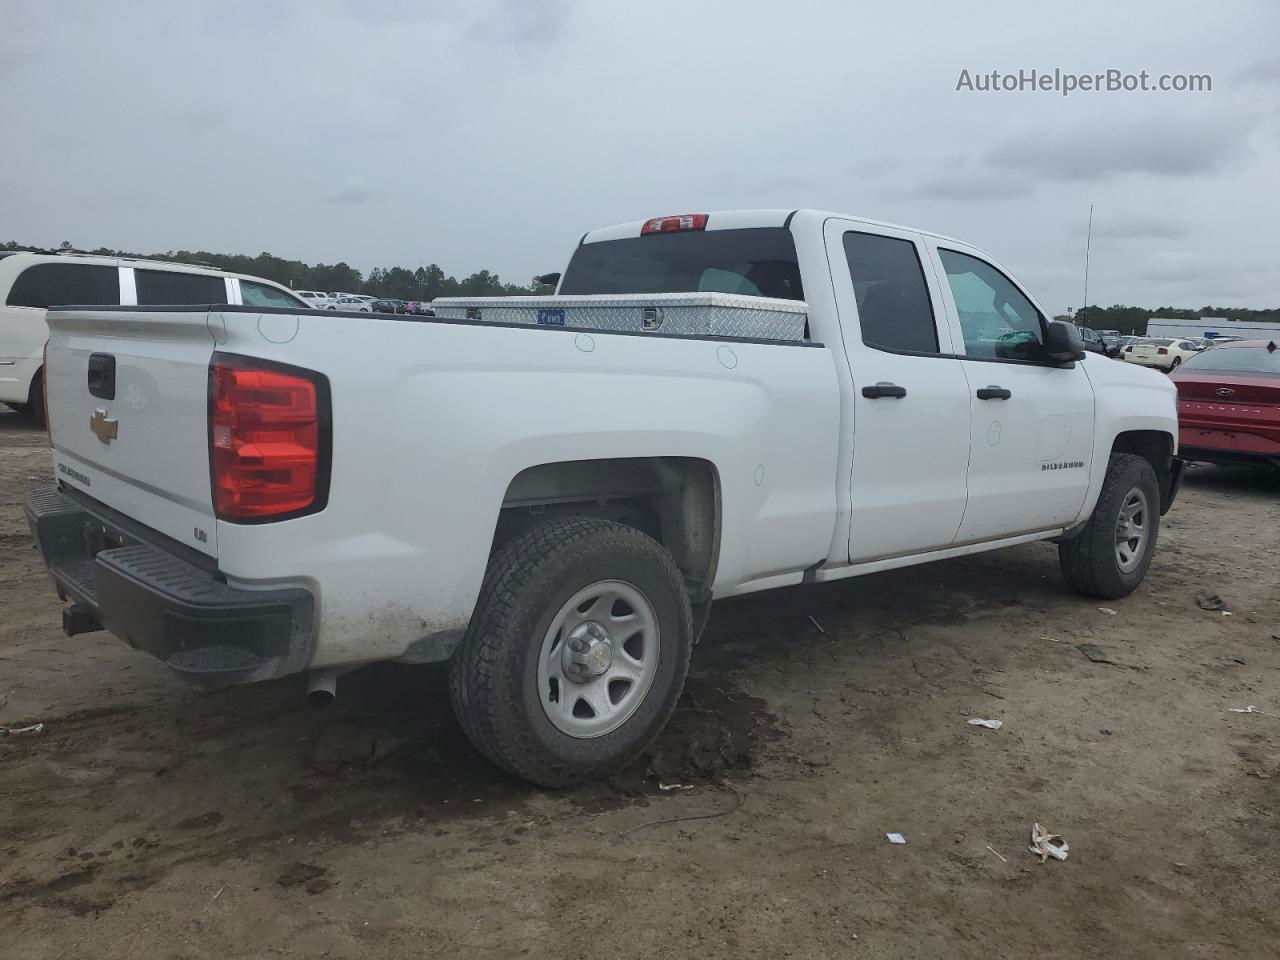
<point>128,415</point>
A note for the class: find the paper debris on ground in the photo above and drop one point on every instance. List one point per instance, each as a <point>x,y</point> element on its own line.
<point>1049,638</point>
<point>1252,709</point>
<point>20,731</point>
<point>818,625</point>
<point>675,786</point>
<point>896,838</point>
<point>1045,844</point>
<point>989,724</point>
<point>997,853</point>
<point>1109,610</point>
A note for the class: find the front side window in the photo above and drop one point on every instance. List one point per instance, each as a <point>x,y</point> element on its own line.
<point>53,284</point>
<point>171,288</point>
<point>260,295</point>
<point>997,320</point>
<point>894,309</point>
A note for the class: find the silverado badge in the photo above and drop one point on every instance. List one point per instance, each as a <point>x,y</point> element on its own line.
<point>104,428</point>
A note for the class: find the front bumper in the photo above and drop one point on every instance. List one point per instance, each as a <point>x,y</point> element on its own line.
<point>137,587</point>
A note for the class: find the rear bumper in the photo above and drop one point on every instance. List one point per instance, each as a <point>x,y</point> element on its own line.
<point>1228,442</point>
<point>206,631</point>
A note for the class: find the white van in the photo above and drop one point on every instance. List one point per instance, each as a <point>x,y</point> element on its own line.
<point>32,282</point>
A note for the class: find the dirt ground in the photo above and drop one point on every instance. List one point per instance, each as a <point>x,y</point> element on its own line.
<point>149,820</point>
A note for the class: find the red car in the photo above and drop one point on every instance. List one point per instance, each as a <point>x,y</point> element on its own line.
<point>1229,403</point>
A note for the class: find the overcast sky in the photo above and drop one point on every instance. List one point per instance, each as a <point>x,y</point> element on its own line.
<point>493,133</point>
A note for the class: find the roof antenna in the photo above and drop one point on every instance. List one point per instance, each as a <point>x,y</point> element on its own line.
<point>1088,242</point>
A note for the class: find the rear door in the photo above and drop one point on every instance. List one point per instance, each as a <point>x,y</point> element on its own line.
<point>911,410</point>
<point>128,415</point>
<point>1032,436</point>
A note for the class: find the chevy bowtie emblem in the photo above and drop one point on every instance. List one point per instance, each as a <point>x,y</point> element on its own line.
<point>1225,392</point>
<point>104,428</point>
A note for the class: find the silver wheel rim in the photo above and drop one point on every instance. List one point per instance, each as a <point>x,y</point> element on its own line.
<point>598,659</point>
<point>1131,530</point>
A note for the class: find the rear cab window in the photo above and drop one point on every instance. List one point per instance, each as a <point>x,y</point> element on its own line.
<point>1262,360</point>
<point>47,285</point>
<point>755,261</point>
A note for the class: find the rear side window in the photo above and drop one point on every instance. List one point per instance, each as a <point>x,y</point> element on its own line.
<point>894,309</point>
<point>759,262</point>
<point>260,295</point>
<point>168,287</point>
<point>52,284</point>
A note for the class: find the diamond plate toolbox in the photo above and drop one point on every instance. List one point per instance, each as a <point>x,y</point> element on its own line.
<point>672,314</point>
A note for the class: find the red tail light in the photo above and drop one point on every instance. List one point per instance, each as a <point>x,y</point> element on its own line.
<point>1161,351</point>
<point>685,221</point>
<point>268,439</point>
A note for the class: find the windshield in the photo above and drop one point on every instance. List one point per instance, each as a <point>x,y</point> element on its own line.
<point>758,262</point>
<point>1263,360</point>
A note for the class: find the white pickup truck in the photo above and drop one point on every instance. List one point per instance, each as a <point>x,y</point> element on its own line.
<point>549,492</point>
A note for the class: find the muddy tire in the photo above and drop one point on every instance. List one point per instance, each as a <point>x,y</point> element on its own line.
<point>34,408</point>
<point>1110,557</point>
<point>576,653</point>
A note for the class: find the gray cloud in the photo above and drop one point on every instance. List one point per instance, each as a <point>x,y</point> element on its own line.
<point>1133,226</point>
<point>1171,148</point>
<point>355,190</point>
<point>1265,72</point>
<point>492,133</point>
<point>965,184</point>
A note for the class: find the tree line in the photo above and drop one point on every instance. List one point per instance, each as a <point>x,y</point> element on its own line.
<point>398,283</point>
<point>1133,320</point>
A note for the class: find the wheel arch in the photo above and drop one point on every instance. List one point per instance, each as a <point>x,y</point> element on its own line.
<point>676,500</point>
<point>1157,448</point>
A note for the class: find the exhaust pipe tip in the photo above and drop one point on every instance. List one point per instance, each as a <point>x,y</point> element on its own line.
<point>322,687</point>
<point>321,698</point>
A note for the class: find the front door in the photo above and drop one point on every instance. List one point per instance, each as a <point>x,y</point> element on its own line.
<point>1032,436</point>
<point>911,410</point>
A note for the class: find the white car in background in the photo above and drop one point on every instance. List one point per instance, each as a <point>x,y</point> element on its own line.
<point>1163,353</point>
<point>316,298</point>
<point>352,304</point>
<point>31,282</point>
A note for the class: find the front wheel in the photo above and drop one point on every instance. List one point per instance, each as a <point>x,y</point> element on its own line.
<point>1110,557</point>
<point>577,651</point>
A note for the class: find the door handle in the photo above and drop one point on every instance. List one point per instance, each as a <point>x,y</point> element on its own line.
<point>884,389</point>
<point>994,393</point>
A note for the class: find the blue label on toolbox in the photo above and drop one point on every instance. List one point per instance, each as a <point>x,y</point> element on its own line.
<point>551,318</point>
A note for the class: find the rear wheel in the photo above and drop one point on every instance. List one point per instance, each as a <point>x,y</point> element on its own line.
<point>1111,555</point>
<point>1177,362</point>
<point>577,651</point>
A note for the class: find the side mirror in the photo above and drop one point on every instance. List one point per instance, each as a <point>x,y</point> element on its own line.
<point>547,279</point>
<point>1063,343</point>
